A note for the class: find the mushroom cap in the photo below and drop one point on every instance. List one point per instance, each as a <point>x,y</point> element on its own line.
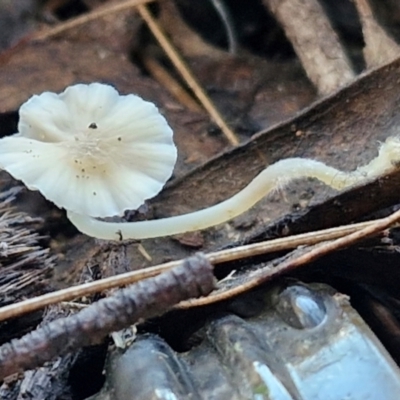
<point>90,150</point>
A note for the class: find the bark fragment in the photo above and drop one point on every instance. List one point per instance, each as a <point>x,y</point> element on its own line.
<point>379,47</point>
<point>315,42</point>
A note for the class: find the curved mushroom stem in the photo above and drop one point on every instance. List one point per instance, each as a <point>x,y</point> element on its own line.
<point>262,184</point>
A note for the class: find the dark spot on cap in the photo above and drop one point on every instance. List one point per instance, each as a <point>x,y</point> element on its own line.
<point>93,125</point>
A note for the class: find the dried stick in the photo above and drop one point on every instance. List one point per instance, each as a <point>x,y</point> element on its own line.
<point>163,77</point>
<point>187,75</point>
<point>223,256</point>
<point>316,252</point>
<point>314,41</point>
<point>379,47</point>
<point>145,299</point>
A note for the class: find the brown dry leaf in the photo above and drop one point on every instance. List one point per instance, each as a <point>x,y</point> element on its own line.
<point>253,93</point>
<point>16,20</point>
<point>118,32</point>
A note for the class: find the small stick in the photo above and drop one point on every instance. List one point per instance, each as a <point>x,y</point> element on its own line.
<point>267,274</point>
<point>222,256</point>
<point>315,42</point>
<point>170,83</point>
<point>187,75</point>
<point>379,47</point>
<point>90,326</point>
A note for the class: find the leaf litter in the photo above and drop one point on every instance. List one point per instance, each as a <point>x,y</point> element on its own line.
<point>342,129</point>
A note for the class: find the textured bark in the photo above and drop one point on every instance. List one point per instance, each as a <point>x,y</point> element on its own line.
<point>314,41</point>
<point>379,47</point>
<point>145,299</point>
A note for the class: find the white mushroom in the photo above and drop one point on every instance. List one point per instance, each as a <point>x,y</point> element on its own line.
<point>96,154</point>
<point>90,150</point>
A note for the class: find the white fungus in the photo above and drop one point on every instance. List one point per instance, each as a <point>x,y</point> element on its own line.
<point>90,150</point>
<point>96,153</point>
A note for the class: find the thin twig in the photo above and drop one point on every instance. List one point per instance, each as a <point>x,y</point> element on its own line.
<point>223,256</point>
<point>170,83</point>
<point>90,326</point>
<point>268,274</point>
<point>187,75</point>
<point>100,12</point>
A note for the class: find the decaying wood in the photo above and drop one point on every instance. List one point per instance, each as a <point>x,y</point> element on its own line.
<point>379,47</point>
<point>49,382</point>
<point>315,42</point>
